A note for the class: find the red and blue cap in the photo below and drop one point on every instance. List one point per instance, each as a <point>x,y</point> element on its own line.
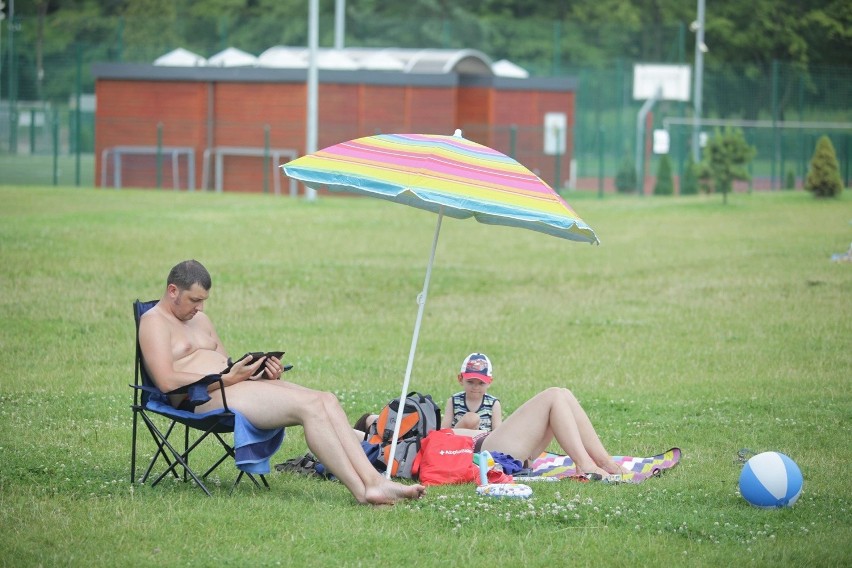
<point>477,366</point>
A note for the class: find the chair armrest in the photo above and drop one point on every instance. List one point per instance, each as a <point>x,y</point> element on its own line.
<point>206,381</point>
<point>197,391</point>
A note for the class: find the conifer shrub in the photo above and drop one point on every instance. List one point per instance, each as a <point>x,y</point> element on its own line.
<point>689,183</point>
<point>725,159</point>
<point>823,178</point>
<point>625,178</point>
<point>790,179</point>
<point>665,182</point>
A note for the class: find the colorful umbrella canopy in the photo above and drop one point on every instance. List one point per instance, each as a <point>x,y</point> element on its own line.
<point>445,174</point>
<point>432,172</point>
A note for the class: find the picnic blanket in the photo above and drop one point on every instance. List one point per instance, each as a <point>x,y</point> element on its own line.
<point>556,466</point>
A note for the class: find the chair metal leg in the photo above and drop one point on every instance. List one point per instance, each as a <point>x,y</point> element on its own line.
<point>179,459</point>
<point>185,449</point>
<point>133,449</point>
<point>158,439</point>
<point>253,480</point>
<point>174,458</point>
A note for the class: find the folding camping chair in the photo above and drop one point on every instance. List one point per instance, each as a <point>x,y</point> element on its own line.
<point>210,425</point>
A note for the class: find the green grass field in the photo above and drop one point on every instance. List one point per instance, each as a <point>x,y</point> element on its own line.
<point>694,324</point>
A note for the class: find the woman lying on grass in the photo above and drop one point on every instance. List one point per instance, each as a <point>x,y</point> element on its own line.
<point>554,413</point>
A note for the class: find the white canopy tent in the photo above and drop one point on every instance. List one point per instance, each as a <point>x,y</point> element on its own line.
<point>180,57</point>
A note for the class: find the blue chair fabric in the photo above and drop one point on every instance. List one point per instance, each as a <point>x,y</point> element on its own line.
<point>151,406</point>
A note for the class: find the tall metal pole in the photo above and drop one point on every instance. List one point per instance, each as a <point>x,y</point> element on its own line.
<point>12,94</point>
<point>699,77</point>
<point>313,45</point>
<point>640,139</point>
<point>339,23</point>
<point>2,17</point>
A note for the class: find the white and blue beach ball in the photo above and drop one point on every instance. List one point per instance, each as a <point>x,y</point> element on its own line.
<point>771,480</point>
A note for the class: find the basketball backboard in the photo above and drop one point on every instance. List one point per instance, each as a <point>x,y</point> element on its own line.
<point>672,80</point>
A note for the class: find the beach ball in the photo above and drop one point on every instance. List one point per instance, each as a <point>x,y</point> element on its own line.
<point>771,480</point>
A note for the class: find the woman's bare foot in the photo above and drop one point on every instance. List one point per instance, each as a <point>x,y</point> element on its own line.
<point>615,468</point>
<point>596,471</point>
<point>389,492</point>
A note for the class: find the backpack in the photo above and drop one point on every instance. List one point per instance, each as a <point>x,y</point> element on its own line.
<point>446,458</point>
<point>420,416</point>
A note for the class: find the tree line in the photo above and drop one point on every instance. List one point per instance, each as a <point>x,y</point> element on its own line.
<point>549,37</point>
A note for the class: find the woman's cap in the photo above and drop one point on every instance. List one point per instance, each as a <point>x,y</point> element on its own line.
<point>477,366</point>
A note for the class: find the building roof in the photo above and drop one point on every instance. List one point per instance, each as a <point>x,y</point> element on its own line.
<point>428,61</point>
<point>351,65</point>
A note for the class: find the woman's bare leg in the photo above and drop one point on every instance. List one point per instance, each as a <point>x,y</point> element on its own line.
<point>327,433</point>
<point>591,440</point>
<point>551,413</point>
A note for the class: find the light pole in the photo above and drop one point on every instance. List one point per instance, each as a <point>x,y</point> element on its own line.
<point>11,94</point>
<point>700,48</point>
<point>312,110</point>
<point>2,17</point>
<point>339,23</point>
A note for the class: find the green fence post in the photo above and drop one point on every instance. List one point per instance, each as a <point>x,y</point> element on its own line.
<point>119,40</point>
<point>78,146</point>
<point>223,32</point>
<point>775,148</point>
<point>803,167</point>
<point>600,163</point>
<point>621,84</point>
<point>266,158</point>
<point>12,94</point>
<point>557,48</point>
<point>782,178</point>
<point>557,174</point>
<point>32,131</point>
<point>159,155</point>
<point>55,129</point>
<point>750,166</point>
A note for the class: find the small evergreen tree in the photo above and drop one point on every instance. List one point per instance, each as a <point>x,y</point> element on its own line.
<point>725,160</point>
<point>689,183</point>
<point>824,173</point>
<point>665,183</point>
<point>625,179</point>
<point>790,179</point>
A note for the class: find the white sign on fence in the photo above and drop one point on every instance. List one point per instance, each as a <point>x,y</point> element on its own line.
<point>661,141</point>
<point>555,127</point>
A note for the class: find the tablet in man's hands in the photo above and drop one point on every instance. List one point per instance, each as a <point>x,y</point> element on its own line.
<point>255,355</point>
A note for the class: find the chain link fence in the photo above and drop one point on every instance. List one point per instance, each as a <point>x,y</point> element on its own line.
<point>47,103</point>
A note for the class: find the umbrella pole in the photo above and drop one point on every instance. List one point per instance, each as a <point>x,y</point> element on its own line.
<point>421,304</point>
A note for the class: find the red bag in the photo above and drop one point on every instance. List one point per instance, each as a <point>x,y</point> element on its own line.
<point>445,458</point>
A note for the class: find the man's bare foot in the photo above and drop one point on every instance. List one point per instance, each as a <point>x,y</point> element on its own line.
<point>389,492</point>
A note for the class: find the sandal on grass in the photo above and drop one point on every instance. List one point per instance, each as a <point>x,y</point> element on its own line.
<point>303,465</point>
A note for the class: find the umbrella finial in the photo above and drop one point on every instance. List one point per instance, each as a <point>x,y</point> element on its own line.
<point>458,133</point>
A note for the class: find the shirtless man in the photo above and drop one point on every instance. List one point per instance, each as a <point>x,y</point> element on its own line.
<point>180,346</point>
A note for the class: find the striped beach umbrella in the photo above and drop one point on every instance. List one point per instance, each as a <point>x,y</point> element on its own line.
<point>448,175</point>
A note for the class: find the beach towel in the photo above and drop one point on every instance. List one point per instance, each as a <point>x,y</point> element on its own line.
<point>253,446</point>
<point>556,466</point>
